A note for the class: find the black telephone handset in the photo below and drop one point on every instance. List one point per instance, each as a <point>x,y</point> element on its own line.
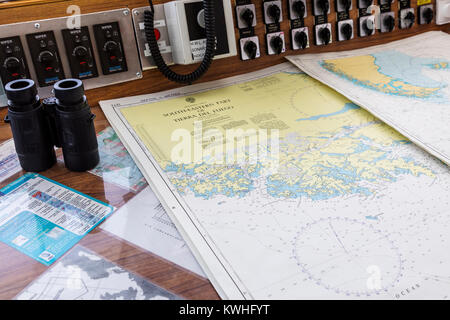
<point>210,27</point>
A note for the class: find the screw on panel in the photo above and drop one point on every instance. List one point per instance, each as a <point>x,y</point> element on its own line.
<point>126,12</point>
<point>37,25</point>
<point>136,13</point>
<point>139,75</point>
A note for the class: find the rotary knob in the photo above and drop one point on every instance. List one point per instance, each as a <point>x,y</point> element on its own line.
<point>277,44</point>
<point>251,49</point>
<point>299,8</point>
<point>324,5</point>
<point>346,4</point>
<point>12,65</point>
<point>247,15</point>
<point>368,27</point>
<point>301,39</point>
<point>347,31</point>
<point>428,15</point>
<point>410,17</point>
<point>111,47</point>
<point>81,52</point>
<point>47,58</point>
<point>325,35</point>
<point>274,12</point>
<point>389,22</point>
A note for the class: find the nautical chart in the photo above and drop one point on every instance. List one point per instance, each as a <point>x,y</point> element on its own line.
<point>342,207</point>
<point>405,83</point>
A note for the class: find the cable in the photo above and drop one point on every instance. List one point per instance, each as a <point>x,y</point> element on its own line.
<point>210,26</point>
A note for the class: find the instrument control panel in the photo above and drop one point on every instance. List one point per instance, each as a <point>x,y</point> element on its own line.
<point>13,64</point>
<point>109,41</point>
<point>80,53</point>
<point>46,58</point>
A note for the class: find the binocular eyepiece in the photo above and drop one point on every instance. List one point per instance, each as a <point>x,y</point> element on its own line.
<point>64,120</point>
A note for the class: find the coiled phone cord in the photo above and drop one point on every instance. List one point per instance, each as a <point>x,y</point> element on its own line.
<point>210,26</point>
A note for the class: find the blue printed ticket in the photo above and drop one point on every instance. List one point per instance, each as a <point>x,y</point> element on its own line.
<point>44,219</point>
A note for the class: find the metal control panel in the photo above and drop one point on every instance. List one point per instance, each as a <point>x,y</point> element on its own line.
<point>99,51</point>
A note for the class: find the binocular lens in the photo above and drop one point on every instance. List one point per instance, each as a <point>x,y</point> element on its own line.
<point>69,92</point>
<point>21,92</point>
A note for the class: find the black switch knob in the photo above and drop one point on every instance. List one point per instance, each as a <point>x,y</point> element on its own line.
<point>299,8</point>
<point>46,58</point>
<point>368,27</point>
<point>428,15</point>
<point>247,15</point>
<point>111,47</point>
<point>389,22</point>
<point>346,4</point>
<point>251,49</point>
<point>277,44</point>
<point>325,35</point>
<point>81,52</point>
<point>410,17</point>
<point>274,12</point>
<point>301,38</point>
<point>12,65</point>
<point>347,31</point>
<point>324,5</point>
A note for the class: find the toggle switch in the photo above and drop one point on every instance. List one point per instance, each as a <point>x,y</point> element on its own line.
<point>300,38</point>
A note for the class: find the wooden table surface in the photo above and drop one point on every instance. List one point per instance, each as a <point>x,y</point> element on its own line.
<point>18,270</point>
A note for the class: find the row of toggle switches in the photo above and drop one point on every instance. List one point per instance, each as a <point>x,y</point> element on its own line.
<point>379,17</point>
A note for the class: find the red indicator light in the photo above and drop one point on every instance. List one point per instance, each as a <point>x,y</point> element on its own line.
<point>15,75</point>
<point>83,62</point>
<point>49,68</point>
<point>157,34</point>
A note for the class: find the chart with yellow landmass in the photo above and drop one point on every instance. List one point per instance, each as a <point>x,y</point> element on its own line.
<point>405,83</point>
<point>351,210</point>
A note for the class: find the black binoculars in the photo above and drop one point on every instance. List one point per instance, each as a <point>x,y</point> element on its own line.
<point>64,121</point>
